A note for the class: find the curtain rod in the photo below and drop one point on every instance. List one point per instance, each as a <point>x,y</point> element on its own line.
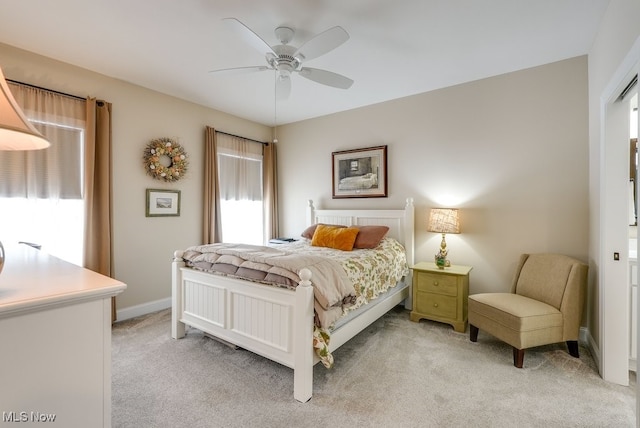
<point>46,89</point>
<point>244,138</point>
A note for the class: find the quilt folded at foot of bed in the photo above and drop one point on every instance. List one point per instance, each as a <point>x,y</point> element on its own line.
<point>333,290</point>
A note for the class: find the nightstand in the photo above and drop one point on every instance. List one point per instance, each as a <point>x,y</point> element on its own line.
<point>441,294</point>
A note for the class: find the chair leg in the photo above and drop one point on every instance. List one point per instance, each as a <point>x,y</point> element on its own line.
<point>572,345</point>
<point>518,357</point>
<point>473,333</point>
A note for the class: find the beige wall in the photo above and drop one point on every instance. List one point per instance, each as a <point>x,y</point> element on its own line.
<point>143,247</point>
<point>511,151</point>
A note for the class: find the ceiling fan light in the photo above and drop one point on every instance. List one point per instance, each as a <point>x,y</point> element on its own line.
<point>284,70</point>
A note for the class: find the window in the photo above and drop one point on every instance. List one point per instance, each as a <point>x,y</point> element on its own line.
<point>41,192</point>
<point>241,193</point>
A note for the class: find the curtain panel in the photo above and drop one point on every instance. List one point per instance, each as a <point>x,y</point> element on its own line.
<point>98,192</point>
<point>270,188</point>
<point>211,197</point>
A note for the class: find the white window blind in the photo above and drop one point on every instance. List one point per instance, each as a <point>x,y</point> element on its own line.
<point>55,172</point>
<point>240,169</point>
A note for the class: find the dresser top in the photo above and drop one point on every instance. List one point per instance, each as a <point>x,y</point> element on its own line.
<point>32,279</point>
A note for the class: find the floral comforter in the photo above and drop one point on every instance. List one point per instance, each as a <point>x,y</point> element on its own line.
<point>372,273</point>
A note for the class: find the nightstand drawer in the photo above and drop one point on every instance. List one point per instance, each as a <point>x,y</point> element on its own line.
<point>437,305</point>
<point>437,283</point>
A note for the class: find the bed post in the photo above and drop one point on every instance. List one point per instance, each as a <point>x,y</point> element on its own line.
<point>177,327</point>
<point>311,218</point>
<point>303,339</point>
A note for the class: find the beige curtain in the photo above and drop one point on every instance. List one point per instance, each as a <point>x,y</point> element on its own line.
<point>97,165</point>
<point>211,197</point>
<point>270,189</point>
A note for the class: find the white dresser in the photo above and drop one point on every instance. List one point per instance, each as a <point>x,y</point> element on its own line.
<point>55,335</point>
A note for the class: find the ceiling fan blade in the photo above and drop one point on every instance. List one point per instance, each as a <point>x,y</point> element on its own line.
<point>245,33</point>
<point>322,43</point>
<point>326,77</point>
<point>283,87</point>
<point>240,70</point>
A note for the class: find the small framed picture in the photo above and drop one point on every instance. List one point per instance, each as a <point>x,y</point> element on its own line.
<point>360,173</point>
<point>163,203</point>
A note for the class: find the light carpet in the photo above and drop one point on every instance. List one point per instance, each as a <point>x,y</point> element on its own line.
<point>395,373</point>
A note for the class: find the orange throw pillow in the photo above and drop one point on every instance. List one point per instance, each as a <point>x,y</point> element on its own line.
<point>340,238</point>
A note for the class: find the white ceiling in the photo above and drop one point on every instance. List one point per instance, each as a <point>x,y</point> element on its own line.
<point>397,48</point>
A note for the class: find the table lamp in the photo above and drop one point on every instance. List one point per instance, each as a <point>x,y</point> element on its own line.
<point>443,220</point>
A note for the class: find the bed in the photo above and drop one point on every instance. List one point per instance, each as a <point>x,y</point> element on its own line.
<point>366,181</point>
<point>276,322</point>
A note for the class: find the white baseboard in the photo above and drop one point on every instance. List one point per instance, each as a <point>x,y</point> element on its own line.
<point>585,336</point>
<point>143,309</point>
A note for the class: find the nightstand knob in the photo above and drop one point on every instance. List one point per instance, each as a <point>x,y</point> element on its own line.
<point>435,283</point>
<point>435,305</point>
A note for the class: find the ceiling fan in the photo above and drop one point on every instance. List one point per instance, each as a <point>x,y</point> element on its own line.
<point>286,59</point>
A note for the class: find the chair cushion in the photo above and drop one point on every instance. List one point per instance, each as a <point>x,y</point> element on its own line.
<point>515,312</point>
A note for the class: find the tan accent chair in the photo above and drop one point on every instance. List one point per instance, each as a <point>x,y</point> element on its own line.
<point>544,306</point>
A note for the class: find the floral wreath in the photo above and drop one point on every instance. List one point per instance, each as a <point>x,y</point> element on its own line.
<point>165,159</point>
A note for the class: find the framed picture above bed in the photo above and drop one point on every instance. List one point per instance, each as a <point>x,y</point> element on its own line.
<point>162,203</point>
<point>360,173</point>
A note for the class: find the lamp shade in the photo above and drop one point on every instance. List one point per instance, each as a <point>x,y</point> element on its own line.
<point>444,220</point>
<point>16,132</point>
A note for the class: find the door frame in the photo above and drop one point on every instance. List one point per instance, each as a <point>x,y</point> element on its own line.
<point>613,276</point>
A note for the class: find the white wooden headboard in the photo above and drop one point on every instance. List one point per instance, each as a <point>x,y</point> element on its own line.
<point>400,222</point>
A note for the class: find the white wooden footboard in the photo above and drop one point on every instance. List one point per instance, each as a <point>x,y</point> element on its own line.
<point>276,323</point>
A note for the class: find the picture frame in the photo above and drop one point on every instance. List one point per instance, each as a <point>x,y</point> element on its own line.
<point>163,203</point>
<point>360,173</point>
